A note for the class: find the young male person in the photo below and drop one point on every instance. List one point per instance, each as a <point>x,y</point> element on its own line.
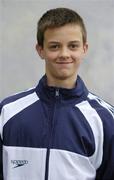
<point>57,130</point>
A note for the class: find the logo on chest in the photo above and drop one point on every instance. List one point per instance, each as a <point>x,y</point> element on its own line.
<point>19,163</point>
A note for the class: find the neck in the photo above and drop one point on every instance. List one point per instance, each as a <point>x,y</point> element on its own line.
<point>67,83</point>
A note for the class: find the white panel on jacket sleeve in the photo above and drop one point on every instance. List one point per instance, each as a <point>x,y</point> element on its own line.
<point>1,126</point>
<point>96,125</point>
<point>15,107</point>
<point>23,163</point>
<point>102,103</point>
<point>65,165</point>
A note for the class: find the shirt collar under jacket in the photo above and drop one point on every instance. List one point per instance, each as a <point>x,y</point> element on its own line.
<point>48,93</point>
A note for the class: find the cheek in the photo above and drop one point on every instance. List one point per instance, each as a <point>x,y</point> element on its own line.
<point>77,55</point>
<point>50,56</point>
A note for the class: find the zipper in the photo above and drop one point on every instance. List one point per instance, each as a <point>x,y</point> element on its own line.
<point>57,93</point>
<point>47,163</point>
<point>50,135</point>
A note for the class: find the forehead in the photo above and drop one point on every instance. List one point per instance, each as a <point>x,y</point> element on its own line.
<point>68,32</point>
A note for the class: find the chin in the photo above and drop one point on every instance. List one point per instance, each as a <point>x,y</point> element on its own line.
<point>63,76</point>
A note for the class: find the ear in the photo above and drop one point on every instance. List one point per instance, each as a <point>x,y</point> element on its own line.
<point>85,47</point>
<point>40,51</point>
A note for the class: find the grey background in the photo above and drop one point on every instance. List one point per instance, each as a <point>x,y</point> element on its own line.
<point>21,67</point>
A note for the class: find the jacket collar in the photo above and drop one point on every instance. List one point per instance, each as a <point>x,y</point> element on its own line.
<point>48,93</point>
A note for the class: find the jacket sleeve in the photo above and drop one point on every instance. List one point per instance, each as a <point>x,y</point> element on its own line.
<point>1,145</point>
<point>1,168</point>
<point>106,170</point>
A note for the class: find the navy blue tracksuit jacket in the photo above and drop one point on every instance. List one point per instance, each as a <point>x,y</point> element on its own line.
<point>49,133</point>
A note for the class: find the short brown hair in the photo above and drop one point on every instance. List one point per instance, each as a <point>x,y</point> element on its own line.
<point>58,17</point>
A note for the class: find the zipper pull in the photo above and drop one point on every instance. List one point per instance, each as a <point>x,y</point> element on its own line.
<point>57,93</point>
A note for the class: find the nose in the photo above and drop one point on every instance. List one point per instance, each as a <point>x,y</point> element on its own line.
<point>64,52</point>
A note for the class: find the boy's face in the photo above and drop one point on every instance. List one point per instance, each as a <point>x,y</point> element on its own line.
<point>63,51</point>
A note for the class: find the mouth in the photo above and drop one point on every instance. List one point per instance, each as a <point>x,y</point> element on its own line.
<point>64,62</point>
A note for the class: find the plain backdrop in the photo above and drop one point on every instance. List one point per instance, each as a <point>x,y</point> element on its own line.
<point>20,66</point>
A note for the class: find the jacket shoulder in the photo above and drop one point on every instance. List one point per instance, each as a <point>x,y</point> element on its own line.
<point>99,103</point>
<point>15,97</point>
<point>104,110</point>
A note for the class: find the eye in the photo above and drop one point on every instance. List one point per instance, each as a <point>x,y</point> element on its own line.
<point>74,46</point>
<point>54,47</point>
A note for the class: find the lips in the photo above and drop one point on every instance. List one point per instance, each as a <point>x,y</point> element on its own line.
<point>64,62</point>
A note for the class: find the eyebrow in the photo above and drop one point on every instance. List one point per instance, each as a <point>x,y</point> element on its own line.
<point>57,42</point>
<point>77,41</point>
